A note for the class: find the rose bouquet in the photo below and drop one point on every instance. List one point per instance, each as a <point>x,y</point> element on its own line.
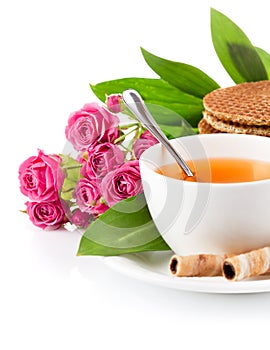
<point>95,185</point>
<point>105,170</point>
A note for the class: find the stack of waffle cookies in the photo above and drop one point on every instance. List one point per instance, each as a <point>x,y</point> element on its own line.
<point>240,109</point>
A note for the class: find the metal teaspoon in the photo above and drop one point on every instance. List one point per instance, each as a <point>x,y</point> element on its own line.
<point>135,103</point>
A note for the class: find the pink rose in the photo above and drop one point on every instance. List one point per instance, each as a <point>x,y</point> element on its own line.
<point>82,157</point>
<point>114,103</point>
<point>102,159</point>
<point>41,177</point>
<point>148,136</point>
<point>88,197</point>
<point>81,219</point>
<point>47,215</point>
<point>123,182</point>
<point>91,124</point>
<point>143,143</point>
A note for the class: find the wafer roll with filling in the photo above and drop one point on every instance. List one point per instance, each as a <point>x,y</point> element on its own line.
<point>251,264</point>
<point>196,265</point>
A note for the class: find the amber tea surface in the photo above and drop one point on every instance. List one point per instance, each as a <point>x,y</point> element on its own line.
<point>220,170</point>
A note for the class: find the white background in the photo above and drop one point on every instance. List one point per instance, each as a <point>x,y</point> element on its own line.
<point>49,298</point>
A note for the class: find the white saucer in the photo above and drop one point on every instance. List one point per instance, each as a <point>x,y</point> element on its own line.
<point>152,267</point>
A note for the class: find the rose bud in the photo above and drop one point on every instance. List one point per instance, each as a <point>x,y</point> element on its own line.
<point>114,103</point>
<point>81,219</point>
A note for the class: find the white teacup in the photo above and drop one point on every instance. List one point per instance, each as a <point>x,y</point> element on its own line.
<point>195,217</point>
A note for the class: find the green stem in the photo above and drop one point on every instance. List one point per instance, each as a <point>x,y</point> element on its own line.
<point>68,190</point>
<point>72,167</point>
<point>122,137</point>
<point>127,112</point>
<point>126,148</point>
<point>126,126</point>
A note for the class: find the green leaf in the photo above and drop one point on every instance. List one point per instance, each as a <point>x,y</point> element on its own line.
<point>185,77</point>
<point>71,169</point>
<point>235,51</point>
<point>127,227</point>
<point>265,57</point>
<point>156,92</point>
<point>172,124</point>
<point>173,132</point>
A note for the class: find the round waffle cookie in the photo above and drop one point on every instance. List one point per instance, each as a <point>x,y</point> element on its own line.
<point>205,128</point>
<point>246,104</point>
<point>235,128</point>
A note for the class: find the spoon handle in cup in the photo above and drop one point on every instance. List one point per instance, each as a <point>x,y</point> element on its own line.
<point>135,103</point>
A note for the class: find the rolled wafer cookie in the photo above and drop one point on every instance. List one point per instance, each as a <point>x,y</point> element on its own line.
<point>196,265</point>
<point>251,264</point>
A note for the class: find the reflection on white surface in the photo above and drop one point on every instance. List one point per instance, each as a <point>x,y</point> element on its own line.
<point>46,287</point>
